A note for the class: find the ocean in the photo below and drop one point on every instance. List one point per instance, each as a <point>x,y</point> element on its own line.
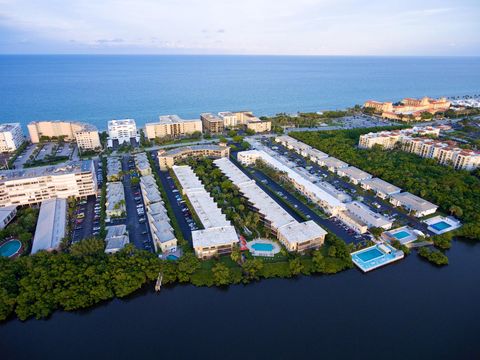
<point>100,88</point>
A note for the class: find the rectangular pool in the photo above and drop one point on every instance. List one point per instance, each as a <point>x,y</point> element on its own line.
<point>401,235</point>
<point>370,254</point>
<point>442,225</point>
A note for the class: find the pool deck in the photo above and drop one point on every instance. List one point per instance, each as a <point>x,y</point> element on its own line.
<point>451,221</point>
<point>376,262</point>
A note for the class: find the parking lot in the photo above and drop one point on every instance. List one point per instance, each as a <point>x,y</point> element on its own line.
<point>137,224</point>
<point>180,209</point>
<point>381,206</point>
<point>24,156</point>
<point>288,201</point>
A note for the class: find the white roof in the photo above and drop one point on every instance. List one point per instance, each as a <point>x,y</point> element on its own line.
<point>50,225</point>
<point>204,205</point>
<point>6,211</point>
<point>310,187</point>
<point>116,238</point>
<point>414,202</point>
<point>301,232</point>
<point>355,173</point>
<point>217,236</point>
<point>367,215</point>
<point>382,186</point>
<point>334,162</point>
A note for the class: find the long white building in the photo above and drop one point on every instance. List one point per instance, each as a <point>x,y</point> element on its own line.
<point>414,204</point>
<point>34,185</point>
<point>11,137</point>
<point>295,236</point>
<point>51,225</point>
<point>218,236</point>
<point>326,201</point>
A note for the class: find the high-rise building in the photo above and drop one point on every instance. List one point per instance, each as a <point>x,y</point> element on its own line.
<point>122,131</point>
<point>11,137</point>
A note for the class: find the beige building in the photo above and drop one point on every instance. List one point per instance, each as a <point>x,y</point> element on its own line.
<point>295,236</point>
<point>167,158</point>
<point>212,124</point>
<point>409,108</point>
<point>259,126</point>
<point>245,119</point>
<point>84,134</point>
<point>388,139</point>
<point>218,236</point>
<point>33,185</point>
<point>172,126</point>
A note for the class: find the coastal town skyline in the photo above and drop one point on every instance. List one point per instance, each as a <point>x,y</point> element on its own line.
<point>306,27</point>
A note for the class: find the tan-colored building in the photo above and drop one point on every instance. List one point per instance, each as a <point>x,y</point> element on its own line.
<point>388,139</point>
<point>33,185</point>
<point>86,135</point>
<point>259,126</point>
<point>167,158</point>
<point>173,126</point>
<point>212,124</point>
<point>409,109</point>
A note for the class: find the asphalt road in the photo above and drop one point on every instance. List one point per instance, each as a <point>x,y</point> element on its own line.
<point>135,228</point>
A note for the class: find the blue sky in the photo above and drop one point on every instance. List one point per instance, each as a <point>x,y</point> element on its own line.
<point>290,27</point>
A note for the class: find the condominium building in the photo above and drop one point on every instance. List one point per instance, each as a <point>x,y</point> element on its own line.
<point>410,140</point>
<point>167,158</point>
<point>114,169</point>
<point>218,235</point>
<point>51,225</point>
<point>142,164</point>
<point>332,164</point>
<point>34,185</point>
<point>295,236</point>
<point>86,135</point>
<point>380,187</point>
<point>115,202</point>
<point>7,214</point>
<point>212,124</point>
<point>326,201</point>
<point>301,148</point>
<point>172,126</point>
<point>360,217</point>
<point>122,131</point>
<point>244,119</point>
<point>11,137</point>
<point>355,175</point>
<point>414,204</point>
<point>116,239</point>
<point>388,139</point>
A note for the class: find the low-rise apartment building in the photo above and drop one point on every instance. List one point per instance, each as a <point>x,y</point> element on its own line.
<point>414,204</point>
<point>360,217</point>
<point>326,201</point>
<point>245,119</point>
<point>167,158</point>
<point>355,175</point>
<point>409,108</point>
<point>295,236</point>
<point>114,169</point>
<point>51,225</point>
<point>115,203</point>
<point>11,137</point>
<point>380,187</point>
<point>332,164</point>
<point>218,236</point>
<point>34,185</point>
<point>86,135</point>
<point>122,131</point>
<point>388,139</point>
<point>116,239</point>
<point>172,126</point>
<point>142,164</point>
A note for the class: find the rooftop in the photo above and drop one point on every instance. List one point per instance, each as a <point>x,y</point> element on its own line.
<point>71,167</point>
<point>381,186</point>
<point>187,149</point>
<point>218,236</point>
<point>300,232</point>
<point>51,225</point>
<point>171,119</point>
<point>355,173</point>
<point>8,126</point>
<point>414,202</point>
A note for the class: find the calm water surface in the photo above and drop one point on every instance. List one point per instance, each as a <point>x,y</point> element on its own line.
<point>99,88</point>
<point>409,310</point>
